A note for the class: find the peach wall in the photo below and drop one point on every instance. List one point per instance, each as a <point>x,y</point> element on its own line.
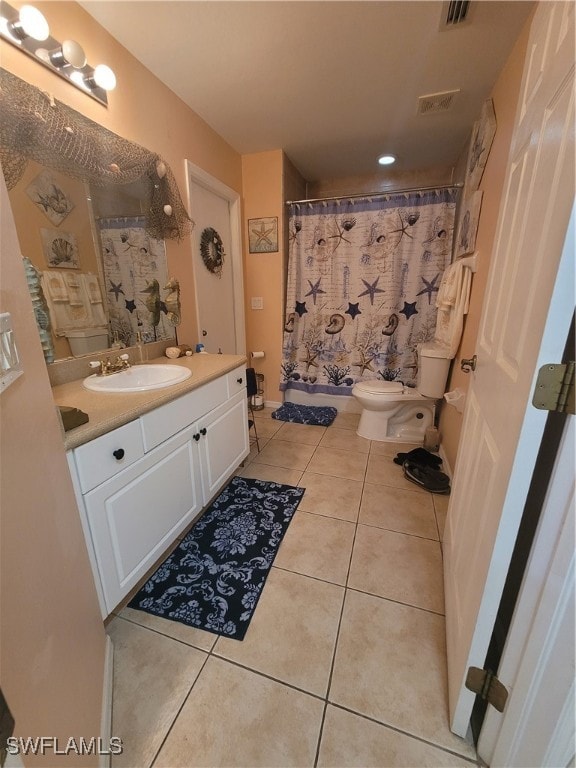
<point>505,95</point>
<point>264,272</point>
<point>380,181</point>
<point>52,638</point>
<point>141,109</point>
<point>51,633</point>
<point>30,220</point>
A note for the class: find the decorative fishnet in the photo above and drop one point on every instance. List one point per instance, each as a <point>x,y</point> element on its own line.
<point>34,126</point>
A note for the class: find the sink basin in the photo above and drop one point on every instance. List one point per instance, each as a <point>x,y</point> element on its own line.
<point>139,378</point>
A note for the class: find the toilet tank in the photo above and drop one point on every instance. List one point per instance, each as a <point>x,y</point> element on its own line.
<point>87,340</point>
<point>433,367</point>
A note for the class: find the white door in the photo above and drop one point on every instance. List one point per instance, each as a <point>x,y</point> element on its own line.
<point>219,308</point>
<point>537,727</point>
<point>501,431</point>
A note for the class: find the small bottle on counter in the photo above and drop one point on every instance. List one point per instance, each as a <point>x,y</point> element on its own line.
<point>116,343</point>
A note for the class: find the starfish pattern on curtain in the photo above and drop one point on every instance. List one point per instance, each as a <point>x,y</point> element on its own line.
<point>135,273</point>
<point>362,282</point>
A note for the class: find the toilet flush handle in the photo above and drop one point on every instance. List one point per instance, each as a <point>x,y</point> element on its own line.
<point>468,364</point>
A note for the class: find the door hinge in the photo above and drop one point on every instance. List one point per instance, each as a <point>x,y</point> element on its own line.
<point>554,389</point>
<point>487,686</point>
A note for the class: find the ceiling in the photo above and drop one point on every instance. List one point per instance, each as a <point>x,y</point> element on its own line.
<point>333,83</point>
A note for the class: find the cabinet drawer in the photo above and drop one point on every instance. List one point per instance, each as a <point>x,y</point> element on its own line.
<point>236,380</point>
<point>102,458</point>
<point>167,420</point>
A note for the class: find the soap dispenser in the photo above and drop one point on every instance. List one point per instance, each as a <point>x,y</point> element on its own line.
<point>140,346</point>
<point>116,343</point>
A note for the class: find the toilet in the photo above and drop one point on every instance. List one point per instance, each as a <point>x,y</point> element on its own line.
<point>394,412</point>
<point>85,341</point>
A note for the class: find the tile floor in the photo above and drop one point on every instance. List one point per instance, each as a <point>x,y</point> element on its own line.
<point>344,661</point>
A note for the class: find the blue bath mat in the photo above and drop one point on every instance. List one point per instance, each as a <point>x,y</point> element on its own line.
<point>215,576</point>
<point>316,415</point>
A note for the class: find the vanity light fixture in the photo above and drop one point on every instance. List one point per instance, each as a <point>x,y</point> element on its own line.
<point>103,77</point>
<point>386,159</point>
<point>26,28</point>
<point>30,22</point>
<point>69,53</point>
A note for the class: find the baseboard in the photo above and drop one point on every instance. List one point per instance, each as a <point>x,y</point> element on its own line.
<point>107,691</point>
<point>272,404</point>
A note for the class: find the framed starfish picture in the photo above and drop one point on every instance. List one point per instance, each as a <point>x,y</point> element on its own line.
<point>263,235</point>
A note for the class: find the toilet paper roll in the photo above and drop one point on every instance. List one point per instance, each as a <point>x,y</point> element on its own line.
<point>456,398</point>
<point>257,355</point>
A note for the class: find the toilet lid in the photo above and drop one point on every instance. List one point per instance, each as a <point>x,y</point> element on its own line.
<point>380,387</point>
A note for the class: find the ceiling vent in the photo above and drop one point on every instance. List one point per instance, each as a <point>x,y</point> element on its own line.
<point>434,103</point>
<point>455,12</point>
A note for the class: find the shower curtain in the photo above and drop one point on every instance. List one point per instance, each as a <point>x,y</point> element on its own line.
<point>135,273</point>
<point>361,293</point>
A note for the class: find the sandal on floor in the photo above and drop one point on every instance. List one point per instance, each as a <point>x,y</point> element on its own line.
<point>426,477</point>
<point>421,456</point>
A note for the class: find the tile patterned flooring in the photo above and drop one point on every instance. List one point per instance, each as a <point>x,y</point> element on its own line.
<point>344,663</point>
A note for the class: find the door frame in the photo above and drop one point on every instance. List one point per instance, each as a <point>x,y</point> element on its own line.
<point>538,660</point>
<point>204,179</point>
<point>501,734</point>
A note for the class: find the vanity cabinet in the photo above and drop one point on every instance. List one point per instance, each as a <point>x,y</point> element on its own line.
<point>139,486</point>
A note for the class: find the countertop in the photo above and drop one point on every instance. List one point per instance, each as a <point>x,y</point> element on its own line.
<point>107,411</point>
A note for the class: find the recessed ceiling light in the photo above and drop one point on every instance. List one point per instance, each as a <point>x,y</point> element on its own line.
<point>386,159</point>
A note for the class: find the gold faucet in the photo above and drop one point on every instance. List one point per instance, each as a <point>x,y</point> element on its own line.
<point>109,366</point>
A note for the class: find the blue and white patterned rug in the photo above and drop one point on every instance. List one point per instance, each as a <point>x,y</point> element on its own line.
<point>316,415</point>
<point>215,576</point>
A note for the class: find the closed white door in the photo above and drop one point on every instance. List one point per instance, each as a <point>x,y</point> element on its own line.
<point>213,268</point>
<point>537,667</point>
<point>501,430</point>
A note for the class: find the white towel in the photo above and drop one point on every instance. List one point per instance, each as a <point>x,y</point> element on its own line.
<point>59,308</point>
<point>93,300</point>
<point>92,287</point>
<point>450,286</point>
<point>74,287</point>
<point>453,303</point>
<point>76,310</point>
<point>54,286</point>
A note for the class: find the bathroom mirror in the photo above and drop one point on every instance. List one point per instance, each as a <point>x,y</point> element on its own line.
<point>95,229</point>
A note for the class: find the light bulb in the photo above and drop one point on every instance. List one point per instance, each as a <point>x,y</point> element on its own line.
<point>31,23</point>
<point>70,52</point>
<point>78,79</point>
<point>386,159</point>
<point>104,77</point>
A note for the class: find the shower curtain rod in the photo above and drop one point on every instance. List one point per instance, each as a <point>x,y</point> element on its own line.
<point>367,195</point>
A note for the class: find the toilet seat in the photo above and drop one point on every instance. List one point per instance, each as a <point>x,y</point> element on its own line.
<point>375,387</point>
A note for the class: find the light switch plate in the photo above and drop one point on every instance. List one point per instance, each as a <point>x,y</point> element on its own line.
<point>257,302</point>
<point>10,366</point>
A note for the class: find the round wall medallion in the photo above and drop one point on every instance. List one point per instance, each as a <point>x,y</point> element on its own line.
<point>212,250</point>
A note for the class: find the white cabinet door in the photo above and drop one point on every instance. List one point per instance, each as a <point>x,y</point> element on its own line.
<point>137,514</point>
<point>223,443</point>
